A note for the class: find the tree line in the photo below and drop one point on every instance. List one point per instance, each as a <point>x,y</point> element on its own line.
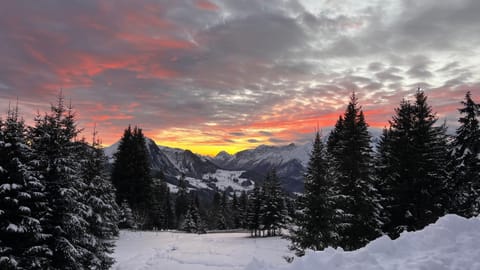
<point>417,173</point>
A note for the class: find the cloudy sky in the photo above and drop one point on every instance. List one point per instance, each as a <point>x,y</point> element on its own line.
<point>209,75</point>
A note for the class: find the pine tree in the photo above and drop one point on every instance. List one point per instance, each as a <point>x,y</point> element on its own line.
<point>254,215</point>
<point>193,223</point>
<point>273,206</point>
<point>181,201</point>
<point>216,218</point>
<point>126,219</point>
<point>226,212</point>
<point>235,212</point>
<point>466,161</point>
<point>131,174</point>
<point>315,222</point>
<point>99,195</point>
<point>415,157</point>
<point>351,152</point>
<point>22,201</point>
<point>169,215</point>
<point>158,204</point>
<point>52,140</point>
<point>242,210</point>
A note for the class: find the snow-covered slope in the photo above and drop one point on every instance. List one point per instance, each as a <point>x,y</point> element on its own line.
<point>180,251</point>
<point>449,244</point>
<point>290,162</point>
<point>224,179</point>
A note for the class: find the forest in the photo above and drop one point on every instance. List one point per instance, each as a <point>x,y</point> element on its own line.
<point>62,204</point>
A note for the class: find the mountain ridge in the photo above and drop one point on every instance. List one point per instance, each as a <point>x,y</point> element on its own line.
<point>253,164</point>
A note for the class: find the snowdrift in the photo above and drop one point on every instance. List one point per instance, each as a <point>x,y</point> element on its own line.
<point>451,243</point>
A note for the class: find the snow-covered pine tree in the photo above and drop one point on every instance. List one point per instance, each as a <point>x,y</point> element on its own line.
<point>360,219</point>
<point>189,225</point>
<point>126,219</point>
<point>193,222</point>
<point>131,173</point>
<point>254,214</point>
<point>22,201</point>
<point>315,221</point>
<point>53,146</point>
<point>414,156</point>
<point>466,160</point>
<point>273,206</point>
<point>99,195</point>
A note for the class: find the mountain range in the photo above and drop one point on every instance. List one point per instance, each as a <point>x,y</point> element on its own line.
<point>225,171</point>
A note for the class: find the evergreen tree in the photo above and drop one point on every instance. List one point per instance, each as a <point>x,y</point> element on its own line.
<point>235,212</point>
<point>216,217</point>
<point>126,219</point>
<point>131,174</point>
<point>169,215</point>
<point>225,212</point>
<point>181,201</point>
<point>315,222</point>
<point>22,201</point>
<point>254,214</point>
<point>351,152</point>
<point>414,156</point>
<point>242,210</point>
<point>273,206</point>
<point>52,140</point>
<point>466,160</point>
<point>99,195</point>
<point>158,205</point>
<point>193,222</point>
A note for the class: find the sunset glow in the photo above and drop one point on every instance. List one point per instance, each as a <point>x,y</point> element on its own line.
<point>212,75</point>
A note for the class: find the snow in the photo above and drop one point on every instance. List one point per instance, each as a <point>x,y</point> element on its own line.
<point>172,250</point>
<point>449,244</point>
<point>15,228</point>
<point>227,179</point>
<point>197,183</point>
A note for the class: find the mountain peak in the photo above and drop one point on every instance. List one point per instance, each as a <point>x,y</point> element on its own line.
<point>222,155</point>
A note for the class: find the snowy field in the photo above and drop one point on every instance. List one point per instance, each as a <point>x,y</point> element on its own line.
<point>450,244</point>
<point>180,251</point>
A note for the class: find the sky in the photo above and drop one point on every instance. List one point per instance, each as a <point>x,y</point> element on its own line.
<point>211,75</point>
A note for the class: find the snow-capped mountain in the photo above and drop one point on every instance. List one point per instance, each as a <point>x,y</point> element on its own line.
<point>290,162</point>
<point>229,172</point>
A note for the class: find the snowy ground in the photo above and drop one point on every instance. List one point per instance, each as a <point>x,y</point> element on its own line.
<point>450,244</point>
<point>168,250</point>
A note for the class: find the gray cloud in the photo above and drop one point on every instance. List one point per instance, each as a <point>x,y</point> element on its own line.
<point>167,64</point>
